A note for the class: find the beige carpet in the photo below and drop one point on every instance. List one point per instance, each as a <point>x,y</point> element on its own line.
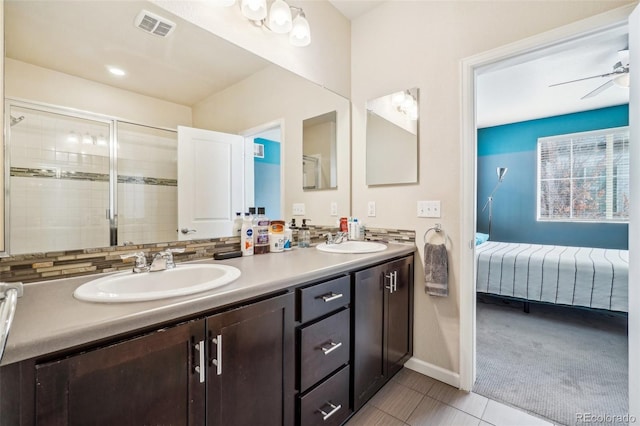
<point>558,362</point>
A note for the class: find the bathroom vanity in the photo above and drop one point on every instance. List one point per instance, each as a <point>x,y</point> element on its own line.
<point>303,337</point>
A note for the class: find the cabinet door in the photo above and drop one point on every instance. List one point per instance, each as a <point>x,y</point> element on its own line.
<point>146,380</point>
<point>368,334</point>
<point>250,379</point>
<point>398,314</point>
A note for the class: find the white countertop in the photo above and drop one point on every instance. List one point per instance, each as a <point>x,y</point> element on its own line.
<point>49,319</point>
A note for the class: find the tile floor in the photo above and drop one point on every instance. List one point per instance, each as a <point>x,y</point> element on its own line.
<point>411,398</point>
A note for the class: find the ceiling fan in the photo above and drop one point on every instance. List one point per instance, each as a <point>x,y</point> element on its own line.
<point>619,76</point>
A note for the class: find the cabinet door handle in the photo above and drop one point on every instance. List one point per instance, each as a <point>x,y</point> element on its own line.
<point>395,280</point>
<point>331,296</point>
<point>218,359</point>
<point>331,347</point>
<point>334,409</point>
<point>390,286</point>
<point>200,367</point>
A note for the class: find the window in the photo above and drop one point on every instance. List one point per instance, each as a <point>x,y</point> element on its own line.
<point>584,176</point>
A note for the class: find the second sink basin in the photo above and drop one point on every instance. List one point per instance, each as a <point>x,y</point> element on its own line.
<point>180,281</point>
<point>352,247</point>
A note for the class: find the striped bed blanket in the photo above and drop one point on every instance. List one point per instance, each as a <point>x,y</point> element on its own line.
<point>579,276</point>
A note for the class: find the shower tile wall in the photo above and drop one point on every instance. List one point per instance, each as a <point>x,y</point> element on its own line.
<point>59,183</point>
<point>59,189</point>
<point>147,184</point>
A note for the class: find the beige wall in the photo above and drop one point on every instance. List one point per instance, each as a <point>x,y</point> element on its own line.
<point>420,44</point>
<point>326,61</point>
<point>275,95</point>
<point>32,83</point>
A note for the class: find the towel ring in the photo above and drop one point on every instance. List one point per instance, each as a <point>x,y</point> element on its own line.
<point>437,229</point>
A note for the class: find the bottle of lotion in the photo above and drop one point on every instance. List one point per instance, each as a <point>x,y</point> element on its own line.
<point>246,237</point>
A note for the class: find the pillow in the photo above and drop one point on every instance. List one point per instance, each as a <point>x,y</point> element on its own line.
<point>481,238</point>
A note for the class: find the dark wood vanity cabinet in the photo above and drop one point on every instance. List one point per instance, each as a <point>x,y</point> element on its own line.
<point>250,379</point>
<point>382,325</point>
<point>151,379</point>
<point>231,368</point>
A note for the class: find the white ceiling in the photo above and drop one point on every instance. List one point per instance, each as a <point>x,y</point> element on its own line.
<point>355,8</point>
<point>518,89</point>
<point>81,38</point>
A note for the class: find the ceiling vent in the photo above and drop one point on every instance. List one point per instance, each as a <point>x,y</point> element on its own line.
<point>154,24</point>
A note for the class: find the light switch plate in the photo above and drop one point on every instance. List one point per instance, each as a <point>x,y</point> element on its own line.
<point>334,209</point>
<point>371,209</point>
<point>428,209</point>
<point>298,209</point>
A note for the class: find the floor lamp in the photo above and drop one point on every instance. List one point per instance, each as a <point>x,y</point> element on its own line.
<point>500,171</point>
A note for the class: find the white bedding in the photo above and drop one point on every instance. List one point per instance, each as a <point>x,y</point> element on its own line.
<point>580,276</point>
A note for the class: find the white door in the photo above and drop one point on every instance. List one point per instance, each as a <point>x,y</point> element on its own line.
<point>210,182</point>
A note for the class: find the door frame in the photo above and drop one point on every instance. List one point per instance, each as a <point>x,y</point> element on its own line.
<point>468,153</point>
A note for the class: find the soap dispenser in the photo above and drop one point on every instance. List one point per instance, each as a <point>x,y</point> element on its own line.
<point>304,235</point>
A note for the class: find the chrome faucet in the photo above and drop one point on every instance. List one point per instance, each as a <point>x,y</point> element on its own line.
<point>141,262</point>
<point>164,260</point>
<point>339,238</point>
<point>161,261</point>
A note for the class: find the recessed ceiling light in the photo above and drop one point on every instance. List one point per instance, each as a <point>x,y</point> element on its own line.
<point>116,71</point>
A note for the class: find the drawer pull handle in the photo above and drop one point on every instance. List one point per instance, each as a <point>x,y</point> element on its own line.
<point>334,409</point>
<point>331,296</point>
<point>332,347</point>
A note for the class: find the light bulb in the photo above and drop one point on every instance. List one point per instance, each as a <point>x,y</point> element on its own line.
<point>300,34</point>
<point>280,17</point>
<point>397,99</point>
<point>256,10</point>
<point>72,137</point>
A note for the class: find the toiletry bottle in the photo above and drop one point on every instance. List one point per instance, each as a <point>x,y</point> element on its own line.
<point>246,237</point>
<point>344,227</point>
<point>276,236</point>
<point>261,232</point>
<point>288,237</point>
<point>304,235</point>
<point>237,225</point>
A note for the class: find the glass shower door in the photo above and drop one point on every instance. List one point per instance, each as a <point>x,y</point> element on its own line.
<point>59,181</point>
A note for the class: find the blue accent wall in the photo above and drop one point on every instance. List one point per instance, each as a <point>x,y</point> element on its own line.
<point>267,178</point>
<point>514,203</point>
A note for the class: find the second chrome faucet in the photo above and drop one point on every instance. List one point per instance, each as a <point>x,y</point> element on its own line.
<point>161,261</point>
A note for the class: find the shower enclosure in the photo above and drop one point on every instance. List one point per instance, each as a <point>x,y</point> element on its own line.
<point>77,180</point>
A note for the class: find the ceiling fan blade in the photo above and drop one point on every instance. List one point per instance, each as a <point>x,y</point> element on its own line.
<point>598,89</point>
<point>585,78</point>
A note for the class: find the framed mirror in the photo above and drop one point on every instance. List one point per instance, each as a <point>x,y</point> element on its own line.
<point>392,138</point>
<point>57,60</point>
<point>319,156</point>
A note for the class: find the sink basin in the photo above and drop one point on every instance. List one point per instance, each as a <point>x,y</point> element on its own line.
<point>180,281</point>
<point>352,247</point>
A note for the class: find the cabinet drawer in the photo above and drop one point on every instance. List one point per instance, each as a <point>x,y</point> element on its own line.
<point>323,298</point>
<point>324,346</point>
<point>328,404</point>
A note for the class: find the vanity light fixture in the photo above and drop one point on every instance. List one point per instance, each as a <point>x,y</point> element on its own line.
<point>280,18</point>
<point>406,103</point>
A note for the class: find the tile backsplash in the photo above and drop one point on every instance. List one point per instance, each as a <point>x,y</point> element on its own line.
<point>35,267</point>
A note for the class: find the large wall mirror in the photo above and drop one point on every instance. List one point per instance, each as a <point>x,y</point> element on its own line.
<point>392,138</point>
<point>93,154</point>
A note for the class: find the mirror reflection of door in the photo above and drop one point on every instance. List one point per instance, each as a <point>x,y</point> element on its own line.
<point>319,158</point>
<point>211,182</point>
<point>267,171</point>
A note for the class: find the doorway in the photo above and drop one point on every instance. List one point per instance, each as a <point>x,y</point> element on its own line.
<point>470,67</point>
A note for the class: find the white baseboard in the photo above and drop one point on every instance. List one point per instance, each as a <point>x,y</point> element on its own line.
<point>433,371</point>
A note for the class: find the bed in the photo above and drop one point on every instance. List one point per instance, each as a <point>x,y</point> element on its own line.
<point>578,276</point>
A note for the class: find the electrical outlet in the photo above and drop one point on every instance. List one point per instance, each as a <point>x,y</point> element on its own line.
<point>334,209</point>
<point>371,209</point>
<point>298,209</point>
<point>428,208</point>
